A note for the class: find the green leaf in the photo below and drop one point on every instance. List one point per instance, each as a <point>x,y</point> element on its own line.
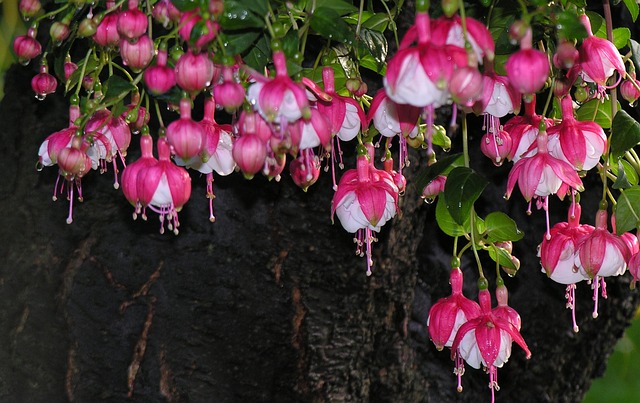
<point>632,6</point>
<point>116,88</point>
<point>243,14</point>
<point>462,189</point>
<point>626,175</point>
<point>238,42</point>
<point>569,25</point>
<point>91,66</point>
<point>376,43</point>
<point>378,22</point>
<point>635,52</point>
<point>621,37</point>
<point>185,5</point>
<point>316,74</point>
<point>439,138</point>
<point>446,223</point>
<point>502,257</point>
<point>259,55</point>
<point>501,20</point>
<point>500,227</point>
<point>327,22</point>
<point>598,26</point>
<point>441,167</point>
<point>597,111</point>
<point>625,134</point>
<point>628,210</point>
<point>339,6</point>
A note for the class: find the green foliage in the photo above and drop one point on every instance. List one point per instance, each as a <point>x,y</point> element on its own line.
<point>625,134</point>
<point>628,210</point>
<point>462,189</point>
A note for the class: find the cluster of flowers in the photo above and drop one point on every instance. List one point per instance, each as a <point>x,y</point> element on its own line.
<point>446,61</point>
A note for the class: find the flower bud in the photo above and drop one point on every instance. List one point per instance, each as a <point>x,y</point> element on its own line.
<point>43,83</point>
<point>29,8</point>
<point>26,47</point>
<point>194,72</point>
<point>566,55</point>
<point>250,153</point>
<point>466,86</point>
<point>137,55</point>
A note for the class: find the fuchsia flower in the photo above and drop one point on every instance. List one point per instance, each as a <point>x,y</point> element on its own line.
<point>419,75</point>
<point>391,119</point>
<point>499,98</point>
<point>130,173</point>
<point>132,23</point>
<point>249,150</point>
<point>449,31</point>
<point>51,146</point>
<point>74,163</point>
<point>280,98</point>
<point>466,86</point>
<point>448,314</point>
<point>365,200</point>
<point>107,31</point>
<point>345,114</point>
<point>160,78</point>
<point>194,72</point>
<point>189,20</point>
<point>629,89</point>
<point>524,129</point>
<point>164,187</point>
<point>230,93</point>
<point>434,188</point>
<point>527,69</point>
<point>165,12</point>
<point>26,47</point>
<point>43,83</point>
<point>305,169</point>
<point>137,55</point>
<point>541,175</point>
<point>579,143</point>
<point>486,340</point>
<point>496,146</point>
<point>310,133</point>
<point>598,60</point>
<point>185,136</point>
<point>29,8</point>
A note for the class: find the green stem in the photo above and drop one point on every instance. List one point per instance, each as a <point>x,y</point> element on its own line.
<point>82,72</point>
<point>359,25</point>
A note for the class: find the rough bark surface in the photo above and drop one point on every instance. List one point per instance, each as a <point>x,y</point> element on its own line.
<point>268,304</point>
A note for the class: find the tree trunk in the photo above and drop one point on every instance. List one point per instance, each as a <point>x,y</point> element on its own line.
<point>269,303</point>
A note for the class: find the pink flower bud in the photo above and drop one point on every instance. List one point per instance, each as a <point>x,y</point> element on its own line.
<point>527,69</point>
<point>629,90</point>
<point>249,152</point>
<point>26,47</point>
<point>59,31</point>
<point>160,78</point>
<point>69,68</point>
<point>107,31</point>
<point>305,169</point>
<point>130,173</point>
<point>165,12</point>
<point>137,55</point>
<point>433,188</point>
<point>132,23</point>
<point>29,8</point>
<point>185,136</point>
<point>43,83</point>
<point>230,93</point>
<point>194,72</point>
<point>466,86</point>
<point>566,55</point>
<point>496,146</point>
<point>188,22</point>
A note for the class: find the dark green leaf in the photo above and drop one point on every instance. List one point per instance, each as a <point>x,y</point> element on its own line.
<point>446,223</point>
<point>500,227</point>
<point>376,44</point>
<point>237,42</point>
<point>597,111</point>
<point>462,189</point>
<point>327,22</point>
<point>116,88</point>
<point>443,166</point>
<point>628,210</point>
<point>621,37</point>
<point>621,171</point>
<point>290,44</point>
<point>501,20</point>
<point>377,22</point>
<point>569,25</point>
<point>259,55</point>
<point>339,6</point>
<point>632,6</point>
<point>598,26</point>
<point>185,5</point>
<point>241,15</point>
<point>625,134</point>
<point>502,257</point>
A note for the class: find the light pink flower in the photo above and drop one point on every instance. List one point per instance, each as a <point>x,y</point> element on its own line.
<point>391,119</point>
<point>345,114</point>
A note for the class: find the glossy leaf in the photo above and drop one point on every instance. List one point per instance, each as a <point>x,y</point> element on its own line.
<point>375,44</point>
<point>628,210</point>
<point>633,8</point>
<point>259,55</point>
<point>327,22</point>
<point>621,37</point>
<point>597,111</point>
<point>502,257</point>
<point>626,176</point>
<point>635,53</point>
<point>238,42</point>
<point>378,22</point>
<point>462,189</point>
<point>185,5</point>
<point>441,167</point>
<point>569,25</point>
<point>625,134</point>
<point>116,88</point>
<point>241,15</point>
<point>500,227</point>
<point>339,6</point>
<point>446,223</point>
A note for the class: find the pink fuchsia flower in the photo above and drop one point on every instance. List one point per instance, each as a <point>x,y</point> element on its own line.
<point>208,30</point>
<point>566,55</point>
<point>345,114</point>
<point>249,153</point>
<point>43,83</point>
<point>466,86</point>
<point>280,98</point>
<point>51,146</point>
<point>499,98</point>
<point>107,31</point>
<point>229,93</point>
<point>398,177</point>
<point>274,165</point>
<point>434,188</point>
<point>449,31</point>
<point>528,68</point>
<point>69,68</point>
<point>185,136</point>
<point>496,146</point>
<point>598,60</point>
<point>365,200</point>
<point>29,8</point>
<point>503,310</point>
<point>194,72</point>
<point>541,175</point>
<point>579,143</point>
<point>137,55</point>
<point>305,169</point>
<point>601,254</point>
<point>130,173</point>
<point>164,187</point>
<point>160,78</point>
<point>449,313</point>
<point>132,23</point>
<point>74,163</point>
<point>391,119</point>
<point>629,89</point>
<point>310,133</point>
<point>524,129</point>
<point>165,12</point>
<point>486,340</point>
<point>26,47</point>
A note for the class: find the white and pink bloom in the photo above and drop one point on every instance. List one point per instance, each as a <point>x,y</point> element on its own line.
<point>345,114</point>
<point>528,68</point>
<point>524,130</point>
<point>130,173</point>
<point>449,31</point>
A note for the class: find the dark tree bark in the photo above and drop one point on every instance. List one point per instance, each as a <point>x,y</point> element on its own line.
<point>267,304</point>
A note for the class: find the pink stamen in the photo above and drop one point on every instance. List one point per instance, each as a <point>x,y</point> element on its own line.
<point>570,295</point>
<point>70,196</point>
<point>595,285</point>
<point>210,196</point>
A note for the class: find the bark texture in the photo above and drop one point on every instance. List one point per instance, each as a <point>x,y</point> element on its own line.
<point>268,304</point>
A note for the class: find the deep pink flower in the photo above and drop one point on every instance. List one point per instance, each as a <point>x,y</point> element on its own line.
<point>527,69</point>
<point>448,314</point>
<point>130,173</point>
<point>69,69</point>
<point>107,31</point>
<point>74,163</point>
<point>29,8</point>
<point>629,89</point>
<point>503,310</point>
<point>26,47</point>
<point>230,93</point>
<point>524,129</point>
<point>345,114</point>
<point>496,146</point>
<point>160,78</point>
<point>164,187</point>
<point>189,20</point>
<point>194,72</point>
<point>51,146</point>
<point>279,98</point>
<point>114,128</point>
<point>434,188</point>
<point>391,119</point>
<point>580,143</point>
<point>486,340</point>
<point>310,133</point>
<point>185,136</point>
<point>566,55</point>
<point>249,152</point>
<point>132,23</point>
<point>542,175</point>
<point>466,86</point>
<point>305,169</point>
<point>43,83</point>
<point>137,55</point>
<point>165,12</point>
<point>449,31</point>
